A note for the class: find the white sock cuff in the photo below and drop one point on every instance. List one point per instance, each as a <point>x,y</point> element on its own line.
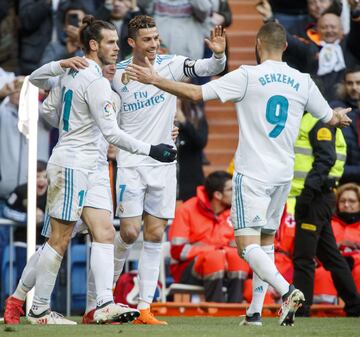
<point>104,246</point>
<point>51,251</point>
<point>119,242</point>
<point>248,249</point>
<point>152,246</point>
<point>268,249</point>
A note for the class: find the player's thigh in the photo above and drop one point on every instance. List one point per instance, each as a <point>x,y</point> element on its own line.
<point>130,192</point>
<point>250,203</point>
<point>99,193</point>
<point>160,196</point>
<point>276,207</point>
<point>66,192</point>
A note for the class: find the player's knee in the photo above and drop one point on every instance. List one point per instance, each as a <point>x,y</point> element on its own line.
<point>59,243</point>
<point>154,235</point>
<point>129,234</point>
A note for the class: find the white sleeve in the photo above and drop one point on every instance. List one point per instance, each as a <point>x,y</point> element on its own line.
<point>46,77</point>
<point>317,105</point>
<point>231,87</point>
<point>102,109</point>
<point>51,107</point>
<point>182,67</point>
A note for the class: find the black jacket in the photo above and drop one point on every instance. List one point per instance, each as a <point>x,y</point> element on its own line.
<point>351,135</point>
<point>192,141</point>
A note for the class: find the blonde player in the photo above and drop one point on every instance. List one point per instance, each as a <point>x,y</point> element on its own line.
<point>146,190</point>
<point>270,99</point>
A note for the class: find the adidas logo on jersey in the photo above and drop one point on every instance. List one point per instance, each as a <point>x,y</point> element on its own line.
<point>124,89</point>
<point>256,219</point>
<point>259,289</point>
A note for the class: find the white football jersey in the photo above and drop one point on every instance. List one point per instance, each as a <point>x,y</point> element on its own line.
<point>87,108</point>
<point>270,100</point>
<point>51,112</point>
<point>147,112</point>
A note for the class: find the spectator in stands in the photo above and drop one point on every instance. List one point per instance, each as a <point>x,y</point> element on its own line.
<point>68,44</point>
<point>328,53</point>
<point>292,13</point>
<point>120,12</point>
<point>349,95</point>
<point>6,83</point>
<point>319,160</point>
<point>178,20</point>
<point>16,204</point>
<point>191,142</point>
<point>8,35</point>
<point>202,242</point>
<point>13,144</point>
<point>346,226</point>
<point>38,24</point>
<point>303,26</point>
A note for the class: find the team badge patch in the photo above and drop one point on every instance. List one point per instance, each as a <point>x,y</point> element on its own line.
<point>125,78</point>
<point>324,134</point>
<point>108,110</point>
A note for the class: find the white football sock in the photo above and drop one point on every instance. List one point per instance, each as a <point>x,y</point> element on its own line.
<point>149,266</point>
<point>121,253</point>
<point>259,287</point>
<point>102,266</point>
<point>91,292</point>
<point>27,280</point>
<point>265,268</point>
<point>47,270</point>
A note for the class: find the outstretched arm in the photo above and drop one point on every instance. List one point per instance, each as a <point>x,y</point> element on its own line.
<point>43,77</point>
<point>148,75</point>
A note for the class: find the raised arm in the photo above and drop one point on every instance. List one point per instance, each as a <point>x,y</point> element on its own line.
<point>45,77</point>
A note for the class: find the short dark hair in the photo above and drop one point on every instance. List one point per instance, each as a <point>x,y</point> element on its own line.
<point>91,30</point>
<point>273,35</point>
<point>216,181</point>
<point>351,70</point>
<point>41,166</point>
<point>140,22</point>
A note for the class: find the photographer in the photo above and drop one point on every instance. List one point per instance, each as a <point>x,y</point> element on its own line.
<point>68,45</point>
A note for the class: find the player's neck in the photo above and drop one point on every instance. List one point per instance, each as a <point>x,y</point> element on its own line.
<point>95,59</point>
<point>140,61</point>
<point>267,56</point>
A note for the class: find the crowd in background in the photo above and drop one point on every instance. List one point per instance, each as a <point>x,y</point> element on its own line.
<point>323,40</point>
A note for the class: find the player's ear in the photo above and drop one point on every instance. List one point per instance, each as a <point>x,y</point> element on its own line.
<point>286,45</point>
<point>93,45</point>
<point>131,42</point>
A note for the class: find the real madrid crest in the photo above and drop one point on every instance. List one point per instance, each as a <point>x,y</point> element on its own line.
<point>125,78</point>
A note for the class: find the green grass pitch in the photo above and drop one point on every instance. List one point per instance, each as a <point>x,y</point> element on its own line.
<point>195,326</point>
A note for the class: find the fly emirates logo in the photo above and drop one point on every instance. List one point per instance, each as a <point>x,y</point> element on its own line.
<point>142,101</point>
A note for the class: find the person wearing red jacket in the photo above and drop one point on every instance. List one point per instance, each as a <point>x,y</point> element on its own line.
<point>346,227</point>
<point>203,247</point>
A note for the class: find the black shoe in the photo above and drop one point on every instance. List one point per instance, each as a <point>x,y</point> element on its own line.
<point>254,320</point>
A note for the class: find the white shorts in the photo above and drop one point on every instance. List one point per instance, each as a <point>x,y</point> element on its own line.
<point>66,192</point>
<point>99,192</point>
<point>256,204</point>
<point>97,196</point>
<point>146,188</point>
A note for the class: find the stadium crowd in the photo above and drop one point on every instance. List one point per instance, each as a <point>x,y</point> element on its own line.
<point>323,41</point>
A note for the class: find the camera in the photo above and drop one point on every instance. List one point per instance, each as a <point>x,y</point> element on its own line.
<point>73,20</point>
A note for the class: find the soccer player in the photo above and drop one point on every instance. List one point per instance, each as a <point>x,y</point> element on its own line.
<point>270,100</point>
<point>146,190</point>
<point>85,116</point>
